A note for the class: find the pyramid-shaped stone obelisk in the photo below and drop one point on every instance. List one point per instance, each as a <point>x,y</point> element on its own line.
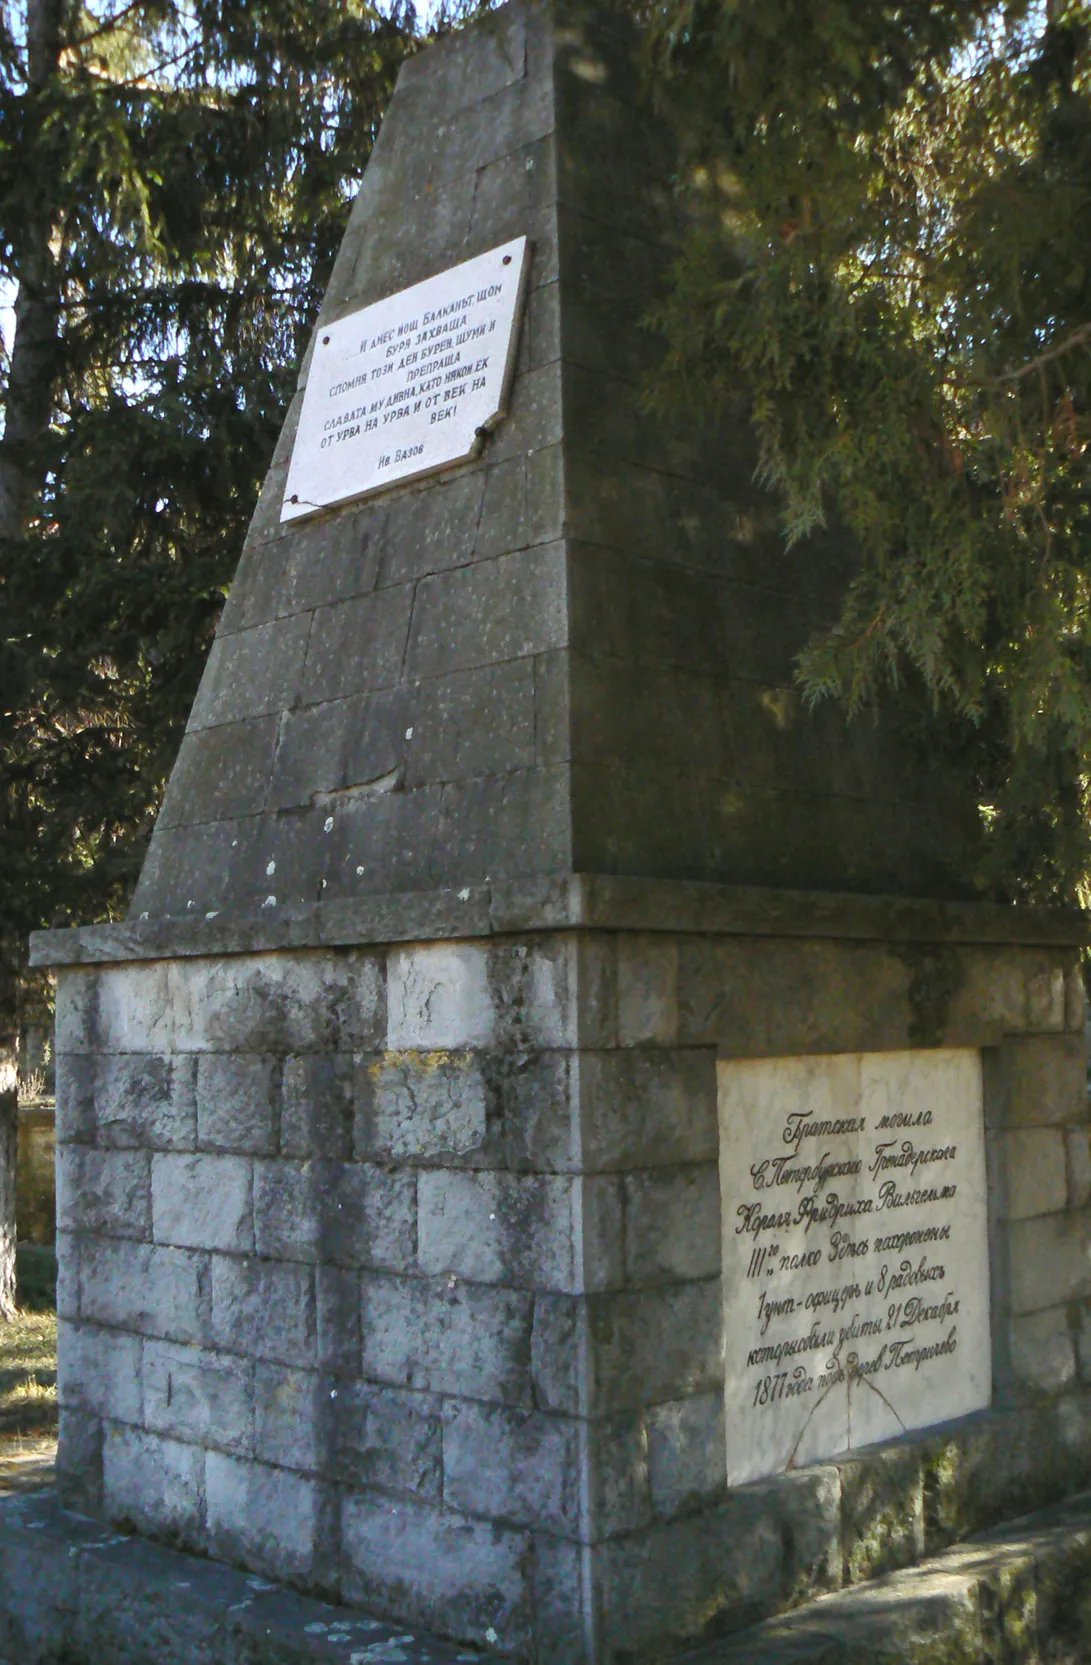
<point>572,654</point>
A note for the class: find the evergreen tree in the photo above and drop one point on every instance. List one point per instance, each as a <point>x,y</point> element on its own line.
<point>174,180</point>
<point>890,247</point>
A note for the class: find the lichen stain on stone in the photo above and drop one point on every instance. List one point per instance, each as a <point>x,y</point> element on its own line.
<point>426,1063</point>
<point>942,1476</point>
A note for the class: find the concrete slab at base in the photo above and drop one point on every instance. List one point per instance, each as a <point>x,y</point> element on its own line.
<point>1019,1595</point>
<point>72,1590</point>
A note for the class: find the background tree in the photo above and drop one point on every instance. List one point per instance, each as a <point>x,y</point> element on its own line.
<point>174,180</point>
<point>891,247</point>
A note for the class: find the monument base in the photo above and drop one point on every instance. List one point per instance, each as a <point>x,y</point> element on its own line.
<point>391,1267</point>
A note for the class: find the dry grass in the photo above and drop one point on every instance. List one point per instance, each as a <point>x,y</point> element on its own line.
<point>28,1400</point>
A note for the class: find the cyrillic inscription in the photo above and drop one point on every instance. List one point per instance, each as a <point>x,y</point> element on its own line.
<point>856,1288</point>
<point>410,385</point>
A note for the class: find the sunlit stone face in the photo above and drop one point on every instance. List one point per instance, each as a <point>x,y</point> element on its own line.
<point>856,1283</point>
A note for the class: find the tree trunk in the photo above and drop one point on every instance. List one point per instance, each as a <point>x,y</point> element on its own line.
<point>9,1123</point>
<point>28,402</point>
<point>28,406</point>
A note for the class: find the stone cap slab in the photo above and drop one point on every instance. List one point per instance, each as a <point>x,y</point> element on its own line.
<point>572,902</point>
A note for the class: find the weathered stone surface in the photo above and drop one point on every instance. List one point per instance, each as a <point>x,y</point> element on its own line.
<point>282,1523</point>
<point>203,1202</point>
<point>1050,1260</point>
<point>130,1101</point>
<point>687,1461</point>
<point>251,674</point>
<point>537,1231</point>
<point>198,1396</point>
<point>236,1103</point>
<point>104,1191</point>
<point>510,1465</point>
<point>283,1003</point>
<point>882,1512</point>
<point>337,1311</point>
<point>263,1309</point>
<point>100,1371</point>
<point>1028,1172</point>
<point>1042,1082</point>
<point>342,1213</point>
<point>672,1224</point>
<point>390,1439</point>
<point>317,1107</point>
<point>434,1566</point>
<point>1078,1154</point>
<point>154,1484</point>
<point>1042,1350</point>
<point>647,990</point>
<point>448,1337</point>
<point>147,1289</point>
<point>646,1108</point>
<point>420,1104</point>
<point>640,1347</point>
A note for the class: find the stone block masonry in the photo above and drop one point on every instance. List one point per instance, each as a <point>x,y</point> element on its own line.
<point>393,1270</point>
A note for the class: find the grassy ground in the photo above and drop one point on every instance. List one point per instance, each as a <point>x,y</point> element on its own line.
<point>28,1376</point>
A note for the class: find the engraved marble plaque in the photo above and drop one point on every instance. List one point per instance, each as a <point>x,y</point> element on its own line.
<point>856,1274</point>
<point>409,385</point>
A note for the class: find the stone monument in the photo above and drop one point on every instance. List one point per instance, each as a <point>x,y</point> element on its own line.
<point>557,1155</point>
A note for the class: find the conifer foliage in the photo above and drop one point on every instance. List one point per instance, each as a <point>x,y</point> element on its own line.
<point>890,245</point>
<point>174,177</point>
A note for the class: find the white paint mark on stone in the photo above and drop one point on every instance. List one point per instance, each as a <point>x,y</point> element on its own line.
<point>271,869</point>
<point>359,872</point>
<point>270,902</point>
<point>327,825</point>
<point>464,895</point>
<point>409,734</point>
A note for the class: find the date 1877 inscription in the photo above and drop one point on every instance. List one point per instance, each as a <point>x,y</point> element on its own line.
<point>855,1251</point>
<point>409,385</point>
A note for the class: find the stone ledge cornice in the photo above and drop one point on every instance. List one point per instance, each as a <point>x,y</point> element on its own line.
<point>571,902</point>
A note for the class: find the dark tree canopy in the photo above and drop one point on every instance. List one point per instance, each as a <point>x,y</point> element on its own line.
<point>890,247</point>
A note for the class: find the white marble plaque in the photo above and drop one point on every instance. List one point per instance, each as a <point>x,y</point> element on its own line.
<point>409,385</point>
<point>856,1272</point>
